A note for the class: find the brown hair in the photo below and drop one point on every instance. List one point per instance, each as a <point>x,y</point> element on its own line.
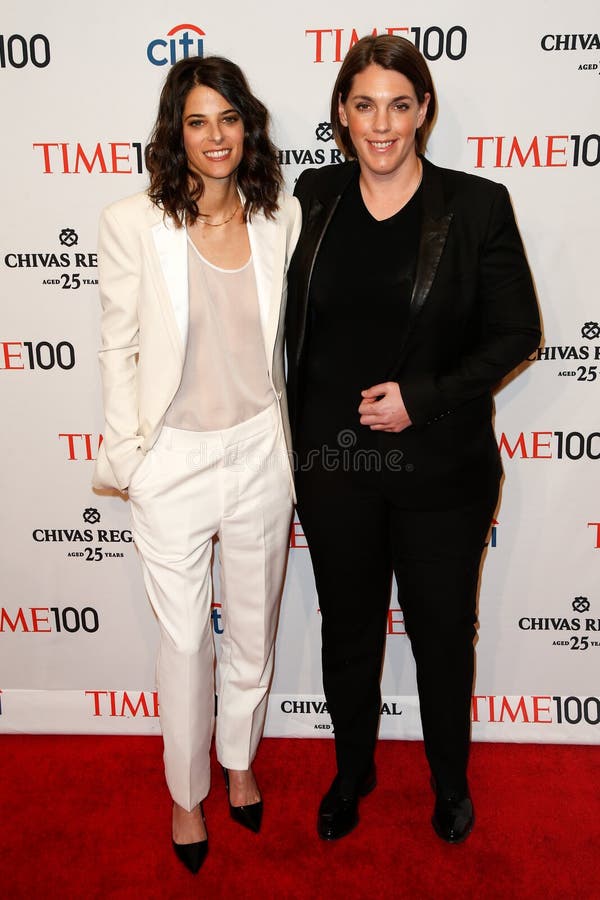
<point>390,52</point>
<point>176,189</point>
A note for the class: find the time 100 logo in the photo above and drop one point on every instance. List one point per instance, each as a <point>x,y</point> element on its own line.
<point>16,51</point>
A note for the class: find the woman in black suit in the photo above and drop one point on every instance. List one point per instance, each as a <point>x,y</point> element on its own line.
<point>409,299</point>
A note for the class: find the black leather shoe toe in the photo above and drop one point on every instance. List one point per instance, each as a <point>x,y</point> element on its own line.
<point>192,855</point>
<point>453,817</point>
<point>338,812</point>
<point>249,816</point>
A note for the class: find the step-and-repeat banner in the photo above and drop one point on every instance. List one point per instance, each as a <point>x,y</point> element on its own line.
<point>519,96</point>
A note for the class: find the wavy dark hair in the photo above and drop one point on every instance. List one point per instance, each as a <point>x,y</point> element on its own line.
<point>176,189</point>
<point>390,51</point>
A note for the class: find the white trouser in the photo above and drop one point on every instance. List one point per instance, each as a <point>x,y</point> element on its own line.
<point>190,487</point>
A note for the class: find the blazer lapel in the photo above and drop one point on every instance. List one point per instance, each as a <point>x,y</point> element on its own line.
<point>267,243</point>
<point>317,212</point>
<point>170,246</point>
<point>434,232</point>
<point>313,228</point>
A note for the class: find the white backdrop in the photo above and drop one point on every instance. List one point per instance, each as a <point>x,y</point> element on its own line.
<point>519,96</point>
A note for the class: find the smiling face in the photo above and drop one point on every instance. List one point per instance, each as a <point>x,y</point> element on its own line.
<point>382,115</point>
<point>213,134</point>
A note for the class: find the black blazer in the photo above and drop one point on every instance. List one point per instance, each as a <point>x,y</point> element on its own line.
<point>473,318</point>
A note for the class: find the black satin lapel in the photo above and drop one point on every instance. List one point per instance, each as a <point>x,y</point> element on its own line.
<point>433,239</point>
<point>316,224</point>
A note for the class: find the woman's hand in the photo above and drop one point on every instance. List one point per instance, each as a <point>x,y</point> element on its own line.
<point>383,409</point>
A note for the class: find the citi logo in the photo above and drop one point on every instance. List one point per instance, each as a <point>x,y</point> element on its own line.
<point>548,151</point>
<point>217,618</point>
<point>182,41</point>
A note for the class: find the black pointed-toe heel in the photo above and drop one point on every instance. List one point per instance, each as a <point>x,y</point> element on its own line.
<point>192,855</point>
<point>248,816</point>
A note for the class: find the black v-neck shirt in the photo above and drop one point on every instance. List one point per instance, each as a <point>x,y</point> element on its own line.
<point>358,312</point>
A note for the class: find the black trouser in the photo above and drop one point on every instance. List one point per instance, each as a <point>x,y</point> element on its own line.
<point>358,535</point>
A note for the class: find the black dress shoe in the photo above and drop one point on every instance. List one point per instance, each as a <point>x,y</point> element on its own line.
<point>338,812</point>
<point>248,816</point>
<point>192,855</point>
<point>453,817</point>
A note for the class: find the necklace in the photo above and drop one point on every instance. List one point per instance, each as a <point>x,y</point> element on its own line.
<point>224,222</point>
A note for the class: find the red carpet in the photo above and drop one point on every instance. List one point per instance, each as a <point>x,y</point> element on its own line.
<point>88,817</point>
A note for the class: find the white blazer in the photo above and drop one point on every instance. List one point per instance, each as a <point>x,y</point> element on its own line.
<point>143,278</point>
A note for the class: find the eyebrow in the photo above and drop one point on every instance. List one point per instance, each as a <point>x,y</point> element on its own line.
<point>393,100</point>
<point>222,112</point>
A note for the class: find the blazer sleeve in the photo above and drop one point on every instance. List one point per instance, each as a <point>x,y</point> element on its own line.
<point>119,267</point>
<point>510,325</point>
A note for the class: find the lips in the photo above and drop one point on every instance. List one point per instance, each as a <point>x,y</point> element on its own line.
<point>217,154</point>
<point>380,146</point>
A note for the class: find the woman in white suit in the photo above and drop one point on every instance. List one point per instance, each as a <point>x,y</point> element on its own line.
<point>192,282</point>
